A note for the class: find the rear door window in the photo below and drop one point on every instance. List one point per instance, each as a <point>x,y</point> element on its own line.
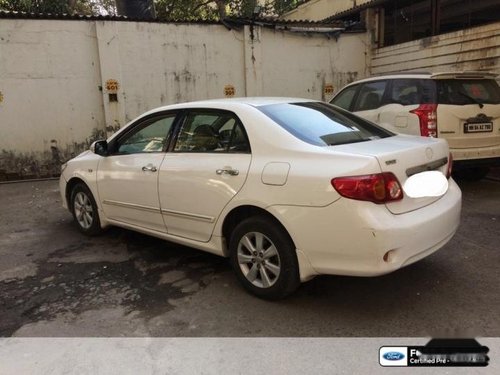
<point>370,96</point>
<point>323,124</point>
<point>412,91</point>
<point>212,131</point>
<point>468,91</point>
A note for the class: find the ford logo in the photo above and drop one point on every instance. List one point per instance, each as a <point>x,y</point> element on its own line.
<point>393,356</point>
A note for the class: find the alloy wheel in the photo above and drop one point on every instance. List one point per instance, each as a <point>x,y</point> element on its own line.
<point>258,259</point>
<point>84,212</point>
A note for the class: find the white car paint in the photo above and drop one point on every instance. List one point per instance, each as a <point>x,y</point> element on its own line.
<point>119,179</point>
<point>184,176</point>
<point>186,201</point>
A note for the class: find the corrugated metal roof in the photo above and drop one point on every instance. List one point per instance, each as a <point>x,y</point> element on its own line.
<point>233,21</point>
<point>273,21</point>
<point>354,10</point>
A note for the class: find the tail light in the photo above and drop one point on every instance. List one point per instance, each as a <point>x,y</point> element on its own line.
<point>377,188</point>
<point>427,116</point>
<point>450,166</point>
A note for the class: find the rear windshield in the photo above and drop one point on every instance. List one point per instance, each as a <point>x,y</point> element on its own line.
<point>323,124</point>
<point>468,91</point>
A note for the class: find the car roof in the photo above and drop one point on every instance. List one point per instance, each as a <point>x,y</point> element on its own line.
<point>249,101</point>
<point>225,103</point>
<point>429,75</point>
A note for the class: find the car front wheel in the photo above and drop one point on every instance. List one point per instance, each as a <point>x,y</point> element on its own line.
<point>84,209</point>
<point>264,258</point>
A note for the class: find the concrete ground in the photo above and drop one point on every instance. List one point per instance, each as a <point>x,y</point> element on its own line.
<point>56,282</point>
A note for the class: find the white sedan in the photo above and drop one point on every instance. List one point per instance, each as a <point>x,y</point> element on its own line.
<point>286,188</point>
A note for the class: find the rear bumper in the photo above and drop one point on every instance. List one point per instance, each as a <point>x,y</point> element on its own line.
<point>473,157</point>
<point>351,237</point>
<point>467,164</point>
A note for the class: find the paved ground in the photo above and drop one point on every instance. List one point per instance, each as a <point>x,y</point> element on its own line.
<point>56,282</point>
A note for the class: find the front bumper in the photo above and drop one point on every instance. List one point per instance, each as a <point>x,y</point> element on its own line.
<point>62,190</point>
<point>351,237</point>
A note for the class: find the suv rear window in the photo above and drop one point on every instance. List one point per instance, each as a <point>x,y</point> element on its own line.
<point>468,91</point>
<point>323,124</point>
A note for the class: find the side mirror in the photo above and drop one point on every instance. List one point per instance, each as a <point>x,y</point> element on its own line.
<point>100,147</point>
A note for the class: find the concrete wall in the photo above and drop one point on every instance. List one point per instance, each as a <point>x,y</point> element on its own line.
<point>317,10</point>
<point>51,105</point>
<point>54,96</point>
<point>472,49</point>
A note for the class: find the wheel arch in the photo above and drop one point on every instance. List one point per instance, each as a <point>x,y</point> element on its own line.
<point>240,213</point>
<point>72,182</point>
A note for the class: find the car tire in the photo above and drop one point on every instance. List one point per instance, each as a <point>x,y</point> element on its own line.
<point>84,210</point>
<point>264,258</point>
<point>472,174</point>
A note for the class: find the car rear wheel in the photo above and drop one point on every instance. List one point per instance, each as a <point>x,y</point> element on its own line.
<point>84,209</point>
<point>264,258</point>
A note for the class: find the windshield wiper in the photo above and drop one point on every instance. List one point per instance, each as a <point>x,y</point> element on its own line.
<point>480,104</point>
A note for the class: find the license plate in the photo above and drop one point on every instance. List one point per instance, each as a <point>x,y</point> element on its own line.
<point>478,127</point>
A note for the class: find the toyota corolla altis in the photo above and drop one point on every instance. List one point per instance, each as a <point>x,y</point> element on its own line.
<point>286,188</point>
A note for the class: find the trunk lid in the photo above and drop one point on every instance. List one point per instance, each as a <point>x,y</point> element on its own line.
<point>404,156</point>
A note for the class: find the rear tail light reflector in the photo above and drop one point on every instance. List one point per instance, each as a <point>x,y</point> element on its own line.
<point>427,116</point>
<point>376,188</point>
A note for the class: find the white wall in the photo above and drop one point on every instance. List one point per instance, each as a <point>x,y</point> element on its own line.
<point>49,79</point>
<point>301,66</point>
<point>53,77</point>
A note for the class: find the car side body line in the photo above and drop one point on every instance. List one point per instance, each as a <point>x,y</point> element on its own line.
<point>131,205</point>
<point>209,219</point>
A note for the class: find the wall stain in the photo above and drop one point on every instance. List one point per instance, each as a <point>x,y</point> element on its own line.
<point>16,165</point>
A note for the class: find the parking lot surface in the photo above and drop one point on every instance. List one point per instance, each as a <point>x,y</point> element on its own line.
<point>56,282</point>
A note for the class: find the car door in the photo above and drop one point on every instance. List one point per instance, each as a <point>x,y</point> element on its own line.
<point>207,166</point>
<point>127,179</point>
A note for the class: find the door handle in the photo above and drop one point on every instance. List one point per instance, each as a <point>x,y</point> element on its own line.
<point>149,168</point>
<point>228,170</point>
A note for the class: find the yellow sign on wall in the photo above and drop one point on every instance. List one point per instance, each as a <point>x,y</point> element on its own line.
<point>328,89</point>
<point>229,91</point>
<point>1,97</point>
<point>112,86</point>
